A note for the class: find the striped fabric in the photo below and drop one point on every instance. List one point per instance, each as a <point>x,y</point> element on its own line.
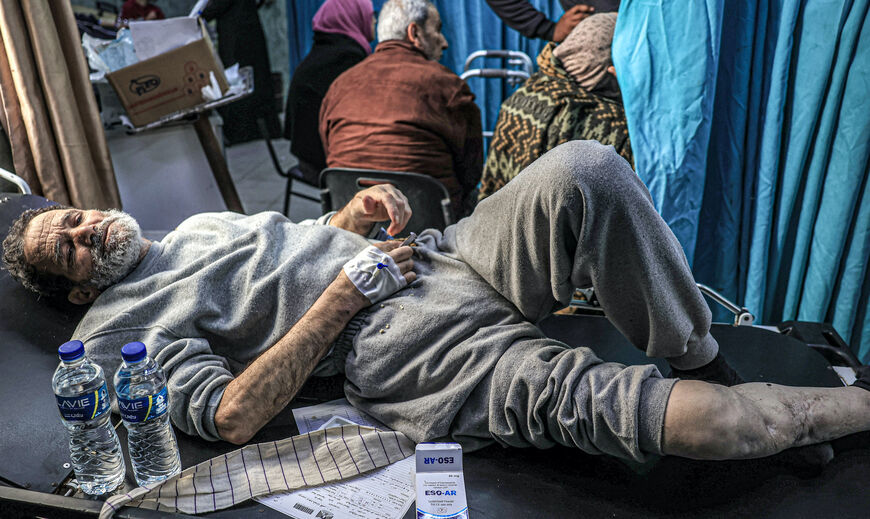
<point>267,468</point>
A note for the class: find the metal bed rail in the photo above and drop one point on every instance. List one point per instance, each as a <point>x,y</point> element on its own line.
<point>19,182</point>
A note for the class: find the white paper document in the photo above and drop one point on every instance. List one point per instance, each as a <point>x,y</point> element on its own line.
<point>155,37</point>
<point>386,493</point>
<point>846,374</point>
<point>314,417</point>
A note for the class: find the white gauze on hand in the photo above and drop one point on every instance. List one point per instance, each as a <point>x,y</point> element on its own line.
<point>375,283</point>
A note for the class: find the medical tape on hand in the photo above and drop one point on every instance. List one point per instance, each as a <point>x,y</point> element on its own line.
<point>374,273</point>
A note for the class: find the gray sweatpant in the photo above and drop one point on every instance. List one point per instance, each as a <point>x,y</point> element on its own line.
<point>457,355</point>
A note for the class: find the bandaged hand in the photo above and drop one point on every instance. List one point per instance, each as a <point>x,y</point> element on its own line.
<point>381,270</point>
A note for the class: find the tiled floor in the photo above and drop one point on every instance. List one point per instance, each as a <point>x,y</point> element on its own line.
<point>258,184</point>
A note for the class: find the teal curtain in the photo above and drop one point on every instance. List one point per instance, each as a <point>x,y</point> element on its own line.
<point>750,123</point>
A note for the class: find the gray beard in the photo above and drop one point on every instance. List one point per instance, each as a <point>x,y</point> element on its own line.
<point>120,254</point>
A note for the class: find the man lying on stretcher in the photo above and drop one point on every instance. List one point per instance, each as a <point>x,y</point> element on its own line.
<point>438,340</point>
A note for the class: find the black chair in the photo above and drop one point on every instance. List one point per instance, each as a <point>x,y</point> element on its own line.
<point>292,174</point>
<point>429,199</point>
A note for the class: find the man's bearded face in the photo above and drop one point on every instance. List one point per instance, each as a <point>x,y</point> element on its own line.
<point>115,255</point>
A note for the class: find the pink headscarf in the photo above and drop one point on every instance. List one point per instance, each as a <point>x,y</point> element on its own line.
<point>352,18</point>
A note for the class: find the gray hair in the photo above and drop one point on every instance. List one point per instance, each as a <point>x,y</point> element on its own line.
<point>397,15</point>
<point>25,273</point>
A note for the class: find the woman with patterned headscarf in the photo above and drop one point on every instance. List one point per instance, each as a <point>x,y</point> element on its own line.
<point>573,96</point>
<point>342,32</point>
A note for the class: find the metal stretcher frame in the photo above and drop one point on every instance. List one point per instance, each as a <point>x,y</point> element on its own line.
<point>505,483</point>
<point>15,180</point>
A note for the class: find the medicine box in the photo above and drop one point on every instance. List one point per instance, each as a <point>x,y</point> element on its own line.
<point>440,482</point>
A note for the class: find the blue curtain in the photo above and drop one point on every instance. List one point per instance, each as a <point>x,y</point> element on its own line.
<point>750,123</point>
<point>467,25</point>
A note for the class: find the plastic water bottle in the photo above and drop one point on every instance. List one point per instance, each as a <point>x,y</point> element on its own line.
<point>83,401</point>
<point>140,384</point>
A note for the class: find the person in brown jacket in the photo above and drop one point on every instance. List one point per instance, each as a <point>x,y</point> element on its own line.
<point>400,110</point>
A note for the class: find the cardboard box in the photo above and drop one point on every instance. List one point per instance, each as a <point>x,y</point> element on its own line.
<point>168,82</point>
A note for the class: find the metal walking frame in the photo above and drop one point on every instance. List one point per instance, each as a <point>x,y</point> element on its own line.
<point>518,68</point>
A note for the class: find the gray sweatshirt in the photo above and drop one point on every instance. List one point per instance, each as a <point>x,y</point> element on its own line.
<point>221,289</point>
<point>212,296</point>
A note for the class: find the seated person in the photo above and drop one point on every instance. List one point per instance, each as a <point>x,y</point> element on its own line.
<point>531,23</point>
<point>399,110</point>
<point>342,32</point>
<point>240,310</point>
<point>572,96</point>
<point>133,10</point>
<point>240,39</point>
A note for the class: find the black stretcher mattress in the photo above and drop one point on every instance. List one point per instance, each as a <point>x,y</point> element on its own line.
<point>501,483</point>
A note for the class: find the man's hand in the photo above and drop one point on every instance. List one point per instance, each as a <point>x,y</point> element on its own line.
<point>569,20</point>
<point>375,204</point>
<point>379,272</point>
<point>402,257</point>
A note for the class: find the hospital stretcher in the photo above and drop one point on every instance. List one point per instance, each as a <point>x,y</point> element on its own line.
<point>502,483</point>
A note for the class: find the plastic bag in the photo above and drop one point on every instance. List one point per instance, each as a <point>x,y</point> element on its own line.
<point>110,55</point>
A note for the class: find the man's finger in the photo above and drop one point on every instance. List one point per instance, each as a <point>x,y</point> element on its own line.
<point>392,209</point>
<point>408,210</point>
<point>395,228</point>
<point>576,14</point>
<point>370,205</point>
<point>406,217</point>
<point>398,216</point>
<point>410,276</point>
<point>405,266</point>
<point>400,254</point>
<point>581,8</point>
<point>397,205</point>
<point>387,246</point>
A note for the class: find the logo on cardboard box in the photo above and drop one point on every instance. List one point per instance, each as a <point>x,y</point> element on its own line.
<point>144,84</point>
<point>195,78</point>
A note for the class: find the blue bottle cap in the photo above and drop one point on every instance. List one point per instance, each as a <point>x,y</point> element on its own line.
<point>71,350</point>
<point>133,352</point>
